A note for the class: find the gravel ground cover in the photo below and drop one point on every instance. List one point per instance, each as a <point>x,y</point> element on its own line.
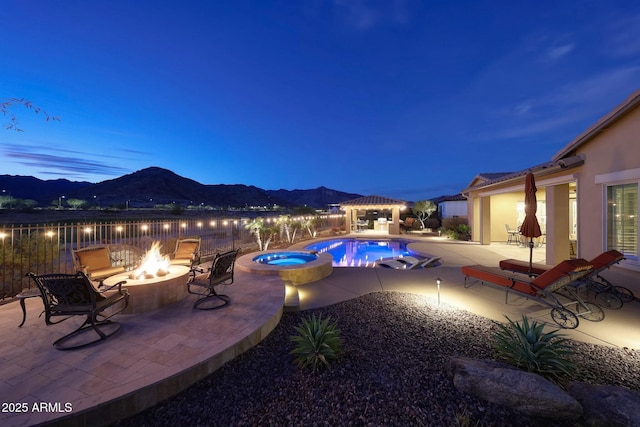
<point>393,373</point>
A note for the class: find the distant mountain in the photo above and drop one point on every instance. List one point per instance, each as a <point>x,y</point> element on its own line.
<point>321,196</point>
<point>152,186</point>
<point>44,192</point>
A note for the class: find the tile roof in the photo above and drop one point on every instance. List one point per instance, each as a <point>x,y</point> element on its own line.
<point>537,170</point>
<point>373,200</point>
<point>451,198</point>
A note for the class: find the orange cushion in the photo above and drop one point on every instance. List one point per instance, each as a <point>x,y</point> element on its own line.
<point>94,259</point>
<point>519,266</point>
<point>607,259</point>
<point>560,271</point>
<point>498,277</point>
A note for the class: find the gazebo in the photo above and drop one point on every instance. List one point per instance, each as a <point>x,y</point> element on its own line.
<point>377,213</point>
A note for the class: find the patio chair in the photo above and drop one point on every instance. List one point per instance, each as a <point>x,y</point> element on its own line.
<point>544,289</point>
<point>220,273</point>
<point>71,295</point>
<point>410,263</point>
<point>513,235</point>
<point>96,262</point>
<point>187,253</point>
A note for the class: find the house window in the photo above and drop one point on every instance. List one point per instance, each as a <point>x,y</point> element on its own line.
<point>622,219</point>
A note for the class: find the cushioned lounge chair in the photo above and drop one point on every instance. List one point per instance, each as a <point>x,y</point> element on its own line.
<point>69,295</point>
<point>96,262</point>
<point>410,263</point>
<point>545,289</point>
<point>607,294</point>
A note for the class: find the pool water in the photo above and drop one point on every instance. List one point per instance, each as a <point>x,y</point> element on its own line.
<point>361,253</point>
<point>285,258</point>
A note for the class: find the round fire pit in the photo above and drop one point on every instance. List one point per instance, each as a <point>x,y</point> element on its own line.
<point>152,293</point>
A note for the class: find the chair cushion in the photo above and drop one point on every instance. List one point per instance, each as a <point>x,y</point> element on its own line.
<point>103,273</point>
<point>561,271</point>
<point>94,259</point>
<point>606,259</point>
<point>186,250</point>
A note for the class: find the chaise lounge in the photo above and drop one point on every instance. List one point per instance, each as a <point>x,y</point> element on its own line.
<point>607,294</point>
<point>544,289</point>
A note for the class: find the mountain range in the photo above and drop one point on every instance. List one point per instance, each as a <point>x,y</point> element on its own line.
<point>153,186</point>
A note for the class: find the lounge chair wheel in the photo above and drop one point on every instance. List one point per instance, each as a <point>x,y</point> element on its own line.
<point>625,294</point>
<point>608,300</point>
<point>589,311</point>
<point>564,318</point>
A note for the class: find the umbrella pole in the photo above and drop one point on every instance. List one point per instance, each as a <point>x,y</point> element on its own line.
<point>530,255</point>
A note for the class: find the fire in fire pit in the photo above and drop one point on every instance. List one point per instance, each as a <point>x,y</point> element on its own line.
<point>153,264</point>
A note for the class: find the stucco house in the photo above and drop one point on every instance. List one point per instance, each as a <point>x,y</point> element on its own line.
<point>587,193</point>
<point>453,206</point>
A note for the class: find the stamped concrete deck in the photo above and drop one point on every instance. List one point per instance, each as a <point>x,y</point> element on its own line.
<point>159,353</point>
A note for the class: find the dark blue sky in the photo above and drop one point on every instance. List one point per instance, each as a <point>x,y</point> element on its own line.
<point>406,99</point>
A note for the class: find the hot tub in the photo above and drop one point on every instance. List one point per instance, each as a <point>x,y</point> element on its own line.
<point>294,267</point>
<point>286,258</point>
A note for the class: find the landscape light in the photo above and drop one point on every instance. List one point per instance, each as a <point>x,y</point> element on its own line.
<point>438,281</point>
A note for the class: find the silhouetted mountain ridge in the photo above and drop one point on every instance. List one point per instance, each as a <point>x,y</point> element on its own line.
<point>152,186</point>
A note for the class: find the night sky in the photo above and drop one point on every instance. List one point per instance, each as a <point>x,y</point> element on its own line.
<point>405,99</point>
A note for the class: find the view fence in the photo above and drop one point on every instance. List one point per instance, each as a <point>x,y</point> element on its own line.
<point>44,249</point>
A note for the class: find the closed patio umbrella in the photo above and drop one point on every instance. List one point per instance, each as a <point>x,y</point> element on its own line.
<point>530,227</point>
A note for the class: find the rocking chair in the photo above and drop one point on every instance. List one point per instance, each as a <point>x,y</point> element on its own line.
<point>74,295</point>
<point>220,273</point>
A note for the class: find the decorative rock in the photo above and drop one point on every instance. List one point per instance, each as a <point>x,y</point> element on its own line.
<point>607,405</point>
<point>508,386</point>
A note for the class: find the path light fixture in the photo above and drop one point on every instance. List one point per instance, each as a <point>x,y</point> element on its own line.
<point>438,281</point>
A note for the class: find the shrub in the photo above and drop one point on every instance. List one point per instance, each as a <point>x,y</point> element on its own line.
<point>527,346</point>
<point>317,343</point>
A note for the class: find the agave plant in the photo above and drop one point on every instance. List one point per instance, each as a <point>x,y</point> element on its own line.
<point>317,343</point>
<point>527,346</point>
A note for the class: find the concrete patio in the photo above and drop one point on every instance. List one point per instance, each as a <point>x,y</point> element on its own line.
<point>159,353</point>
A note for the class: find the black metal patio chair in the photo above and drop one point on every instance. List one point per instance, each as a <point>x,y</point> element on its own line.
<point>71,295</point>
<point>220,273</point>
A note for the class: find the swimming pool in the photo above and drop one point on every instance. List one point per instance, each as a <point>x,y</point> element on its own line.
<point>352,252</point>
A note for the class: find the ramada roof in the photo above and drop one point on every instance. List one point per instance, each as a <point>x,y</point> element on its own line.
<point>374,201</point>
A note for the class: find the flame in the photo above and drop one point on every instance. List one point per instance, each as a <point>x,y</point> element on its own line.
<point>153,264</point>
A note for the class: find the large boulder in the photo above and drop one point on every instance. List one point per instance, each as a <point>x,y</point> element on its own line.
<point>606,405</point>
<point>514,388</point>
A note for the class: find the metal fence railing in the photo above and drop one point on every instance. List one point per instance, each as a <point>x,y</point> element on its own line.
<point>47,248</point>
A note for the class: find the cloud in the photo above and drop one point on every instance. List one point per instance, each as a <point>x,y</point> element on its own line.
<point>558,52</point>
<point>364,15</point>
<point>50,164</point>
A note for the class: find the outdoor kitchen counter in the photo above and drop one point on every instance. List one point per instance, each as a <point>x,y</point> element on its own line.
<point>151,294</point>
